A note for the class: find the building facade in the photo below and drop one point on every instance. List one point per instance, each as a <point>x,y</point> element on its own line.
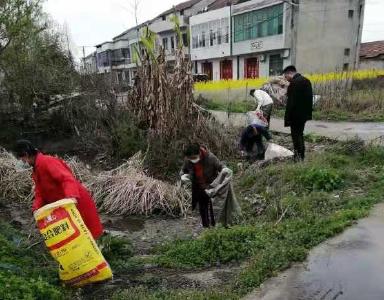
<point>236,39</point>
<point>89,64</point>
<point>268,35</point>
<point>210,43</point>
<point>259,45</point>
<point>327,34</point>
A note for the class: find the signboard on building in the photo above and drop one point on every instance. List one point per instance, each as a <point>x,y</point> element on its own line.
<point>257,45</point>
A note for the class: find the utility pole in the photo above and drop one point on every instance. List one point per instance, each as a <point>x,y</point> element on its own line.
<point>84,59</point>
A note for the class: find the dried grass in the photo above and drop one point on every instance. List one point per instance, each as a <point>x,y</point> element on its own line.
<point>125,190</point>
<point>128,190</point>
<point>15,182</point>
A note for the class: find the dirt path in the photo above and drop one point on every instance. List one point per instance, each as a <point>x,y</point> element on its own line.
<point>367,131</point>
<point>349,266</point>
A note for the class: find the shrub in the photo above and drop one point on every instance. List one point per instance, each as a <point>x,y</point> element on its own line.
<point>130,139</point>
<point>22,288</point>
<point>318,179</point>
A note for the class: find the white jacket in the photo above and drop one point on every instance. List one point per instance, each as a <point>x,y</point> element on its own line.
<point>262,98</point>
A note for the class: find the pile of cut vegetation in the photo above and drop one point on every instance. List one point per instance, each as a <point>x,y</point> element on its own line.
<point>125,190</point>
<point>15,181</point>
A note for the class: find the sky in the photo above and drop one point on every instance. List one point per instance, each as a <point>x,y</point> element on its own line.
<point>91,22</point>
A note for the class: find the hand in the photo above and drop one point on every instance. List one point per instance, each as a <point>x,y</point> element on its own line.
<point>210,192</point>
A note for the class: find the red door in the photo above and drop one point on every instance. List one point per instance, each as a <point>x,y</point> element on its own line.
<point>251,68</point>
<point>226,69</point>
<point>207,69</point>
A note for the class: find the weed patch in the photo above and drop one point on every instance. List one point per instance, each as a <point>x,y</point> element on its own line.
<point>321,180</point>
<point>303,205</point>
<point>26,273</point>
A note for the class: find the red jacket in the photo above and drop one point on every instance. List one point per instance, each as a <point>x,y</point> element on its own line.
<point>54,181</point>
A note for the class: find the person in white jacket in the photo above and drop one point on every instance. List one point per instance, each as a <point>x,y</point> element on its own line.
<point>264,103</point>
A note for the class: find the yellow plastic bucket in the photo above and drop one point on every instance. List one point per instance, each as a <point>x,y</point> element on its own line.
<point>71,244</point>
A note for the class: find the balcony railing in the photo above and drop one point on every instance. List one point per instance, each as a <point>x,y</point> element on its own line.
<point>121,61</point>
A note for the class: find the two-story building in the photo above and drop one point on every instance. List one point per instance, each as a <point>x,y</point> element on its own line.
<point>104,57</point>
<point>126,45</point>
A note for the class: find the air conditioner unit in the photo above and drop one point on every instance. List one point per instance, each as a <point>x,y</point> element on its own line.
<point>286,53</point>
<point>262,57</point>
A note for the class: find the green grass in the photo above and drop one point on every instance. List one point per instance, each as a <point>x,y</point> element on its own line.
<point>299,206</point>
<point>362,104</point>
<point>317,200</point>
<point>234,107</point>
<point>143,293</point>
<point>26,273</point>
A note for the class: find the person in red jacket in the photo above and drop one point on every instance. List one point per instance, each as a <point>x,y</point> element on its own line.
<point>55,181</point>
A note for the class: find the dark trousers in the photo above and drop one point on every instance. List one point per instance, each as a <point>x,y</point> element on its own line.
<point>199,196</point>
<point>257,152</point>
<point>267,111</point>
<point>297,132</point>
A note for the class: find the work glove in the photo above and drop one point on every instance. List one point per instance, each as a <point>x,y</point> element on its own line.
<point>185,178</point>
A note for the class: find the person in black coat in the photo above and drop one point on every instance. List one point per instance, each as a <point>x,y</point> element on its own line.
<point>299,108</point>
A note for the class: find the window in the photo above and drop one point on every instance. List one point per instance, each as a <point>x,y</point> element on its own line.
<point>202,40</point>
<point>226,37</point>
<point>195,39</point>
<point>346,67</point>
<point>210,33</point>
<point>172,43</point>
<point>182,12</point>
<point>103,59</point>
<point>347,51</point>
<point>164,18</point>
<point>126,52</point>
<point>165,43</point>
<point>275,64</point>
<point>185,39</point>
<point>350,13</point>
<point>259,23</point>
<point>195,42</point>
<point>126,75</point>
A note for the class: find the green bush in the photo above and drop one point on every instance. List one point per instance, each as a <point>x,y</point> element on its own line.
<point>118,251</point>
<point>318,179</point>
<point>129,138</point>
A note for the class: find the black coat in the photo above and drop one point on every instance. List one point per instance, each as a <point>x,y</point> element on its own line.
<point>300,101</point>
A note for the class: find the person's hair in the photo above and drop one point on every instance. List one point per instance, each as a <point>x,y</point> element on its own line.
<point>289,69</point>
<point>251,92</point>
<point>24,147</point>
<point>192,149</point>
